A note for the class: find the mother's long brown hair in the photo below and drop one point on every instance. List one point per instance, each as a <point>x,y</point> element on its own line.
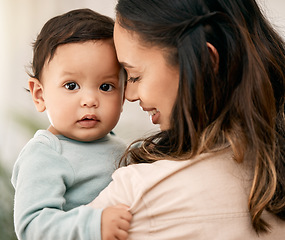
<point>241,104</point>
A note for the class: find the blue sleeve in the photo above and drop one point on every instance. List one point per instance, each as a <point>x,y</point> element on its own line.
<point>40,177</point>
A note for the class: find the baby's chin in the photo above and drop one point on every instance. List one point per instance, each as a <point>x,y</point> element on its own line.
<point>80,134</point>
<point>85,137</point>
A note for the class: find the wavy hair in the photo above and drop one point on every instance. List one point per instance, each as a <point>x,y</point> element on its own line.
<point>241,105</point>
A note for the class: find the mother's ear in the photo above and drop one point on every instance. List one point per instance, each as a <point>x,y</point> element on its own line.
<point>214,56</point>
<point>36,89</point>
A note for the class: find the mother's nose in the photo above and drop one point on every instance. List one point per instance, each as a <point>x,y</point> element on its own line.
<point>131,92</point>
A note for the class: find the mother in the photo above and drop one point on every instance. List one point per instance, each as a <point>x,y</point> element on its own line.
<point>211,73</point>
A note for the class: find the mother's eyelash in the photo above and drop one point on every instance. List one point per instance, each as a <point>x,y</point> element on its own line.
<point>133,79</point>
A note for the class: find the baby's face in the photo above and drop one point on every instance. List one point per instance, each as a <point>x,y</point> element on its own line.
<point>81,90</point>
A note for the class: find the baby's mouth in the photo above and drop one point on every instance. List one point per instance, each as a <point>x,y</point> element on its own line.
<point>88,121</point>
<point>88,117</point>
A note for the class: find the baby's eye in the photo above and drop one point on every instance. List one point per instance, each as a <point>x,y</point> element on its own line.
<point>106,87</point>
<point>71,86</point>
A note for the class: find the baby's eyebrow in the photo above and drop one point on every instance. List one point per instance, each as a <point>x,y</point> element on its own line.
<point>68,73</point>
<point>111,76</point>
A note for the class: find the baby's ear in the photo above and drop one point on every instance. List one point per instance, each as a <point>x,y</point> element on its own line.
<point>36,89</point>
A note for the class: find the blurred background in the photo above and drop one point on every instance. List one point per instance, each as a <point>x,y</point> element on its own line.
<point>20,22</point>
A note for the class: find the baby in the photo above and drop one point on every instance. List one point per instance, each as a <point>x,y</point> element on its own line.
<point>76,80</point>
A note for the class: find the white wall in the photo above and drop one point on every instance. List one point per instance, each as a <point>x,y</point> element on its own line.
<point>20,22</point>
<point>275,11</point>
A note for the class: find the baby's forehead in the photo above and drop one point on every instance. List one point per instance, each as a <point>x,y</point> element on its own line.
<point>97,55</point>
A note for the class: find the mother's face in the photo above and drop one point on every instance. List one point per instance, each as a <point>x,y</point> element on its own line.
<point>151,80</point>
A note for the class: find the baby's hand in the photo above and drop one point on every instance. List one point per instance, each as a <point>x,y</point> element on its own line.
<point>115,222</point>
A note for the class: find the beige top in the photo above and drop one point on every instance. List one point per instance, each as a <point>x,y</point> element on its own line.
<point>204,198</point>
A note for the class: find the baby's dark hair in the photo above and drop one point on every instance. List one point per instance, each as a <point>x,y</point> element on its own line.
<point>79,25</point>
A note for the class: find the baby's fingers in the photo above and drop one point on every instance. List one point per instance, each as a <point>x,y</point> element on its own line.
<point>124,225</point>
<point>125,214</point>
<point>122,235</point>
